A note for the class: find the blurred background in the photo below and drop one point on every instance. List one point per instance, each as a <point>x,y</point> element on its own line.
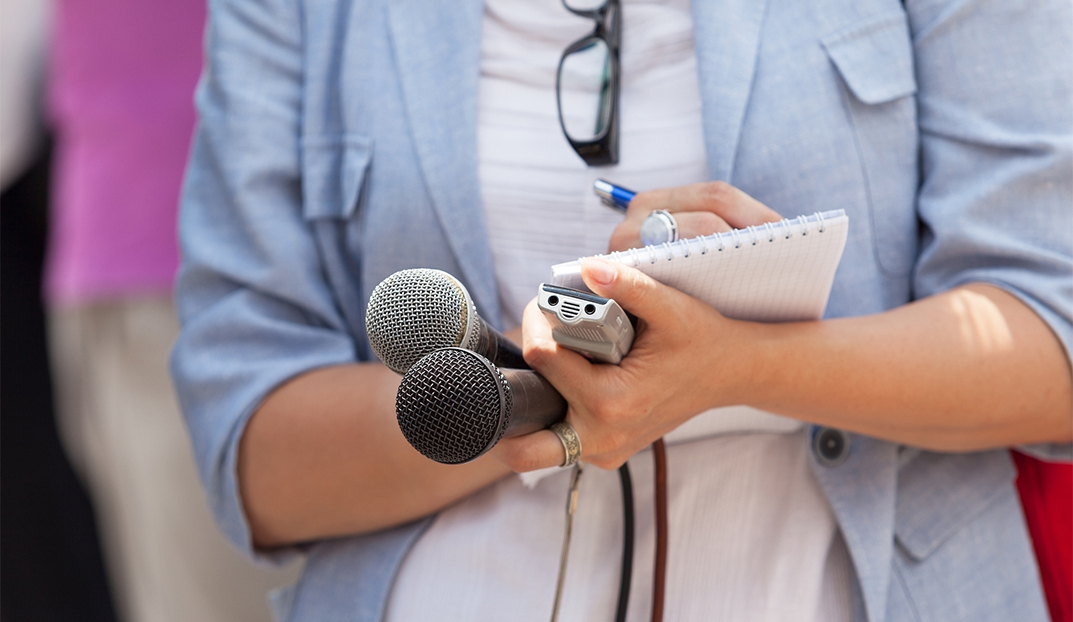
<point>102,516</point>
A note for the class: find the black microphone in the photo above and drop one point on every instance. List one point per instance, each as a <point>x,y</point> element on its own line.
<point>418,311</point>
<point>454,404</point>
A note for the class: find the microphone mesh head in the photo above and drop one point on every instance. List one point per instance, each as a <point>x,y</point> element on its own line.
<point>453,405</point>
<point>414,312</point>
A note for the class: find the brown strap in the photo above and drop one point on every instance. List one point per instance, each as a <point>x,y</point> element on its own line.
<point>659,578</point>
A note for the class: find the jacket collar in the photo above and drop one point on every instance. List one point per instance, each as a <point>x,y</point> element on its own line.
<point>437,48</point>
<point>726,63</point>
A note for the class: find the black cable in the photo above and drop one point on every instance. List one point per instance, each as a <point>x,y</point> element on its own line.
<point>627,543</point>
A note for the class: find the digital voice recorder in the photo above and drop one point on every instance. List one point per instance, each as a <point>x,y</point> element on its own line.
<point>584,322</point>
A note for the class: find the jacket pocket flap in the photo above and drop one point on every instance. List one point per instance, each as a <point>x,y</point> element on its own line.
<point>939,493</point>
<point>333,172</point>
<point>874,57</point>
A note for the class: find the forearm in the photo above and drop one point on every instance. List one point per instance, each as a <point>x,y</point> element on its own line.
<point>968,369</point>
<point>323,456</point>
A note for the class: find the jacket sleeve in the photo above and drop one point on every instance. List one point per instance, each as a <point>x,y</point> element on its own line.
<point>995,109</point>
<point>254,305</point>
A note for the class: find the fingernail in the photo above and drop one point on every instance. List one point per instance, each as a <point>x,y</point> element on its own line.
<point>599,271</point>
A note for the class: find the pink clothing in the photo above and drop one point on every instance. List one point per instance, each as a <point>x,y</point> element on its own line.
<point>121,101</point>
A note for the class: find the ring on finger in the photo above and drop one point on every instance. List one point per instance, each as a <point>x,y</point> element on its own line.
<point>570,440</point>
<point>659,227</point>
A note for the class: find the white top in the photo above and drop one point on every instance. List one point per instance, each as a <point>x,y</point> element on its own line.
<point>751,534</point>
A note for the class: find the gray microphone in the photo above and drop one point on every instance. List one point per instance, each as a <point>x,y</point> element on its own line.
<point>454,405</point>
<point>418,311</point>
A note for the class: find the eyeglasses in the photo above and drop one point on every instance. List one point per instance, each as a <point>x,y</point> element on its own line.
<point>588,73</point>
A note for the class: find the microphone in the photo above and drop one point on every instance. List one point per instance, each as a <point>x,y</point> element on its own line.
<point>418,311</point>
<point>454,405</point>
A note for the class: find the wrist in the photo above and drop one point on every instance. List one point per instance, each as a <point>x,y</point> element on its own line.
<point>756,365</point>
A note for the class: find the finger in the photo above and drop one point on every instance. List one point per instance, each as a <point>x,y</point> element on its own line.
<point>626,235</point>
<point>634,290</point>
<point>736,207</point>
<point>539,450</point>
<point>563,368</point>
<point>693,224</point>
<point>690,225</point>
<point>534,325</point>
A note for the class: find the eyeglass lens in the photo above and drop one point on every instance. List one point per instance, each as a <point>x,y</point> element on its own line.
<point>585,83</point>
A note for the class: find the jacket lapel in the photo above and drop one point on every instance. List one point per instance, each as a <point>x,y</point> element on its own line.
<point>437,49</point>
<point>861,492</point>
<point>727,36</point>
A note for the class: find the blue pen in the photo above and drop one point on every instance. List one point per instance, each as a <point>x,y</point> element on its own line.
<point>615,197</point>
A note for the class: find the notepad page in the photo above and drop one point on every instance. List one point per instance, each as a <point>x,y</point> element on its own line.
<point>778,272</point>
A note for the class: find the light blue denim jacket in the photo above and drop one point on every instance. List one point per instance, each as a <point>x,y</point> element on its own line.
<point>337,144</point>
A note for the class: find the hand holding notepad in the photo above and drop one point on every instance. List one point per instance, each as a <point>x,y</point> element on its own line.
<point>776,272</point>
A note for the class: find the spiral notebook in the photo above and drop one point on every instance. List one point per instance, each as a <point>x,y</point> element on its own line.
<point>777,272</point>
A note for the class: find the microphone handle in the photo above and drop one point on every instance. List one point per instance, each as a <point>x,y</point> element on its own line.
<point>537,404</point>
<point>495,347</point>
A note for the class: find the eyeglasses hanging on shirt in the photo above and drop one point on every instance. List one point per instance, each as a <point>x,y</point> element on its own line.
<point>587,84</point>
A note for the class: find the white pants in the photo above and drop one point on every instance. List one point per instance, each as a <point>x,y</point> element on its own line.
<point>122,428</point>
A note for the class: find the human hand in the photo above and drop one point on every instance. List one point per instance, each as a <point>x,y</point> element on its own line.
<point>699,209</point>
<point>681,364</point>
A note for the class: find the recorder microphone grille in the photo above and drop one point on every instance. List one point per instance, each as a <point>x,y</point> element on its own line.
<point>453,405</point>
<point>570,309</point>
<point>414,312</point>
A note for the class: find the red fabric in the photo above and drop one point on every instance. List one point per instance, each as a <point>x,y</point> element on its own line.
<point>1046,491</point>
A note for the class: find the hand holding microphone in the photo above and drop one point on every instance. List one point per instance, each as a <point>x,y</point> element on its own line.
<point>453,404</point>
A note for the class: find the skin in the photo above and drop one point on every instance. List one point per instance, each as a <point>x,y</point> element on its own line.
<point>969,369</point>
<point>323,456</point>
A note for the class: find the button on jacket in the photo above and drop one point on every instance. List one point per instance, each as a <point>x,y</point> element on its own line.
<point>337,144</point>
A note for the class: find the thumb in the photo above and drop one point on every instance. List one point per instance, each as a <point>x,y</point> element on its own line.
<point>637,292</point>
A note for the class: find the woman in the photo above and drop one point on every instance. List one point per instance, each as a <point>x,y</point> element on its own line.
<point>340,143</point>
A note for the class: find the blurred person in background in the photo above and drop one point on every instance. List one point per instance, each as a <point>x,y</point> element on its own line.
<point>120,97</point>
<point>50,562</point>
<point>23,28</point>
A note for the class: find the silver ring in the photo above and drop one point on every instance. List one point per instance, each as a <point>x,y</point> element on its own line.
<point>659,227</point>
<point>571,443</point>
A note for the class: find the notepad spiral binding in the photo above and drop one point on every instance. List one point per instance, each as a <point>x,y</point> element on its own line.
<point>774,272</point>
<point>733,239</point>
